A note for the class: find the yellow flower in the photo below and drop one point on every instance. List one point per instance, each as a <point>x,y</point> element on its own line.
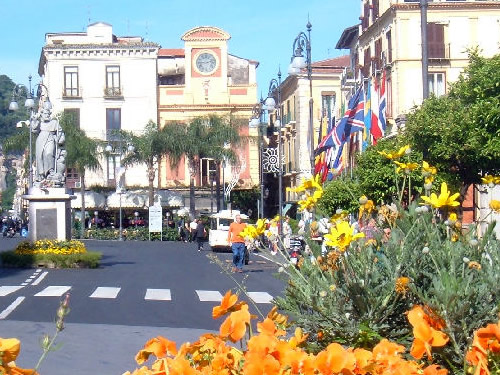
<point>428,170</point>
<point>406,167</point>
<point>341,235</point>
<point>444,199</point>
<point>402,285</point>
<point>495,205</point>
<point>474,265</point>
<point>307,184</point>
<point>367,207</point>
<point>394,155</point>
<point>494,180</point>
<point>339,216</point>
<point>453,218</point>
<point>249,232</point>
<point>429,180</point>
<point>310,200</point>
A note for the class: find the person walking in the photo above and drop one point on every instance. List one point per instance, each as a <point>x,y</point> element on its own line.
<point>237,243</point>
<point>192,230</point>
<point>200,234</point>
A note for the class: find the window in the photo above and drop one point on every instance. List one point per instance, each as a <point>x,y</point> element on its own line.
<point>378,55</point>
<point>328,106</point>
<point>366,63</point>
<point>375,10</point>
<point>73,115</point>
<point>71,81</point>
<point>113,166</point>
<point>113,123</point>
<point>208,170</point>
<point>389,47</point>
<point>365,22</point>
<point>435,41</point>
<point>113,81</point>
<point>436,84</point>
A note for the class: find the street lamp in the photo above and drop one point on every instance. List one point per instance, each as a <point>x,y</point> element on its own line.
<point>136,215</point>
<point>271,106</point>
<point>256,122</point>
<point>96,219</point>
<point>298,62</point>
<point>17,92</point>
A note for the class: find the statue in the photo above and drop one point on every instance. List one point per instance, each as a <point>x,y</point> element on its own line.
<point>49,151</point>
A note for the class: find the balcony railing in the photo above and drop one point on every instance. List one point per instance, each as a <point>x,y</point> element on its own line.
<point>72,93</point>
<point>438,52</point>
<point>113,92</point>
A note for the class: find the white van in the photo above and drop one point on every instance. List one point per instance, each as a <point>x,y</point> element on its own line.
<point>219,227</point>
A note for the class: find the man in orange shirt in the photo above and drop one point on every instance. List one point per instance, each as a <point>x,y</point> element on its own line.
<point>237,243</point>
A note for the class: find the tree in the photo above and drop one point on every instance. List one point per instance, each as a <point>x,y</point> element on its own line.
<point>152,145</point>
<point>9,119</point>
<point>460,132</point>
<point>209,137</point>
<point>82,155</point>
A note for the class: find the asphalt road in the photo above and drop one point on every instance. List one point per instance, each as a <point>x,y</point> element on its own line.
<point>141,290</point>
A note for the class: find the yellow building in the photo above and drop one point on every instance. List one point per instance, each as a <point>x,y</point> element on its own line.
<point>204,78</point>
<point>389,37</point>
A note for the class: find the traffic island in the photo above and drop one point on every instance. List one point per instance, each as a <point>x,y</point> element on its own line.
<point>50,254</point>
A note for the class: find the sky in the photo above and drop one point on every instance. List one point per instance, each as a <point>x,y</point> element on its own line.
<point>260,30</point>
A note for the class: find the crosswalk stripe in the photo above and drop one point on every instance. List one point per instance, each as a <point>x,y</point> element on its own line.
<point>11,307</point>
<point>40,278</point>
<point>209,295</point>
<point>53,291</point>
<point>105,292</point>
<point>6,290</point>
<point>158,295</point>
<point>260,297</point>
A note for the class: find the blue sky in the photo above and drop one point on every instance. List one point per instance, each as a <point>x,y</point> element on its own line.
<point>260,30</point>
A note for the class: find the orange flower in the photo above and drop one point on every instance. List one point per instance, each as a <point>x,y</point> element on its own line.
<point>335,359</point>
<point>280,319</point>
<point>435,370</point>
<point>227,305</point>
<point>363,359</point>
<point>426,336</point>
<point>159,346</point>
<point>257,364</point>
<point>298,338</point>
<point>268,327</point>
<point>235,325</point>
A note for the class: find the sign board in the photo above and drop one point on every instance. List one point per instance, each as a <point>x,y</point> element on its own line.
<point>155,219</point>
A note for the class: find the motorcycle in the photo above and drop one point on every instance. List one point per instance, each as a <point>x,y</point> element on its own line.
<point>297,247</point>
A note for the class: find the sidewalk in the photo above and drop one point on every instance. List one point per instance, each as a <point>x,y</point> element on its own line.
<point>88,348</point>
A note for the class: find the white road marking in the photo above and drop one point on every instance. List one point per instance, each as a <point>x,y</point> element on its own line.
<point>38,270</point>
<point>11,307</point>
<point>27,280</point>
<point>40,278</point>
<point>6,290</point>
<point>260,297</point>
<point>53,291</point>
<point>209,295</point>
<point>158,295</point>
<point>105,292</point>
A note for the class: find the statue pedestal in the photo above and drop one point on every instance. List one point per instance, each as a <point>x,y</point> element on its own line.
<point>49,213</point>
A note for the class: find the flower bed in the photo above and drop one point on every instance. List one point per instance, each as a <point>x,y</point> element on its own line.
<point>51,254</point>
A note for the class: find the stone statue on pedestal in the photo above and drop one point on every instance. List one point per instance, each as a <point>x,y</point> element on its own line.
<point>50,154</point>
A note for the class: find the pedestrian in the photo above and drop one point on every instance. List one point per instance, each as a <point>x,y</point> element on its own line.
<point>200,234</point>
<point>287,233</point>
<point>192,230</point>
<point>237,243</point>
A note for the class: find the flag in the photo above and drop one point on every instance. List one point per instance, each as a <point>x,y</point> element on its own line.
<point>376,128</point>
<point>382,117</point>
<point>353,121</point>
<point>368,116</point>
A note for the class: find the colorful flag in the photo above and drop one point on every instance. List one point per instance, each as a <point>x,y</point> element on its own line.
<point>368,116</point>
<point>382,117</point>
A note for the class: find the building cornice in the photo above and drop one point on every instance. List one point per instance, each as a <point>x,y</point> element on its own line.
<point>449,5</point>
<point>205,33</point>
<point>111,46</point>
<point>204,107</point>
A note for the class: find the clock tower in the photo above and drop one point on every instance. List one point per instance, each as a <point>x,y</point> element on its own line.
<point>206,64</point>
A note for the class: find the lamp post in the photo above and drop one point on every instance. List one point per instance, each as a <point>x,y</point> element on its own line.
<point>30,104</point>
<point>96,219</point>
<point>272,106</point>
<point>298,62</point>
<point>136,215</point>
<point>256,122</point>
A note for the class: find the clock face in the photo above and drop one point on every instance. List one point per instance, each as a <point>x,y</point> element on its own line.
<point>206,62</point>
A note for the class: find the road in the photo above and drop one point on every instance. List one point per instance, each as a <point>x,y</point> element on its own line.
<point>141,290</point>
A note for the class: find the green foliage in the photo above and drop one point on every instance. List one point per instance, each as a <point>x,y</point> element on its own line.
<point>8,194</point>
<point>352,298</point>
<point>244,200</point>
<point>87,260</point>
<point>131,234</point>
<point>460,132</point>
<point>341,193</point>
<point>9,119</point>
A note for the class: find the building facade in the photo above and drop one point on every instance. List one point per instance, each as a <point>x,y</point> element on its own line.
<point>200,79</point>
<point>389,38</point>
<point>325,86</point>
<point>109,84</point>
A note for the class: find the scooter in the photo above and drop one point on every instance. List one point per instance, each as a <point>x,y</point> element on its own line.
<point>297,247</point>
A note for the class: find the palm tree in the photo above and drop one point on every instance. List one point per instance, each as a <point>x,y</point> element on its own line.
<point>208,137</point>
<point>82,155</point>
<point>151,146</point>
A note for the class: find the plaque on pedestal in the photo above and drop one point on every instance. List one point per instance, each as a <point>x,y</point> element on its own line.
<point>49,213</point>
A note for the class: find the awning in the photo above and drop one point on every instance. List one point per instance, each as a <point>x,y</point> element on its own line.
<point>92,200</point>
<point>130,199</point>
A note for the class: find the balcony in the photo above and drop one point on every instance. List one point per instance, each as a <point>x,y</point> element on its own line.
<point>113,93</point>
<point>72,93</point>
<point>438,52</point>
